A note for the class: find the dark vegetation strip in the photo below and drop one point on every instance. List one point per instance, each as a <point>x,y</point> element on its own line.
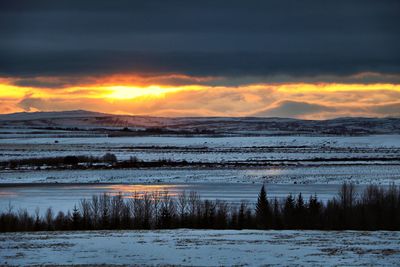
<point>110,161</point>
<point>376,208</point>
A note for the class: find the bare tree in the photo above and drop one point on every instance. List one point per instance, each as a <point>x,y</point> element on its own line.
<point>86,213</point>
<point>95,210</point>
<point>156,199</point>
<point>347,195</point>
<point>167,210</point>
<point>147,210</point>
<point>137,210</point>
<point>194,204</point>
<point>105,210</point>
<point>182,206</point>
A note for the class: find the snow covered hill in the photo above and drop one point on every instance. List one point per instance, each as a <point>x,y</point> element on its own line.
<point>86,120</point>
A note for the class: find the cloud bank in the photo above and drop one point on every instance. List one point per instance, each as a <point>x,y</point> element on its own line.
<point>288,58</point>
<point>199,38</point>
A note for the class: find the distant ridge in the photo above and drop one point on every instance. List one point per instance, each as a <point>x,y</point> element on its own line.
<point>86,120</point>
<point>49,115</point>
<point>87,113</point>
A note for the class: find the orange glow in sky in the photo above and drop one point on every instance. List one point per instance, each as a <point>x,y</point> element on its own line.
<point>123,96</point>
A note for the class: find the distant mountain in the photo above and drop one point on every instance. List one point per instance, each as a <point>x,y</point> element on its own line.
<point>21,116</point>
<point>86,120</point>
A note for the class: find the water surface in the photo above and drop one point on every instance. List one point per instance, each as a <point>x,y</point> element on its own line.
<point>65,196</point>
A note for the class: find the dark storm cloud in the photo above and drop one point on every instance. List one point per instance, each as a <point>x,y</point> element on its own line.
<point>225,38</point>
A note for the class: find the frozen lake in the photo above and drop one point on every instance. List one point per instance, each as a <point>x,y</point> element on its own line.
<point>303,166</point>
<point>65,196</point>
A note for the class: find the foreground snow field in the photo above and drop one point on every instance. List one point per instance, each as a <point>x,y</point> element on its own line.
<point>202,248</point>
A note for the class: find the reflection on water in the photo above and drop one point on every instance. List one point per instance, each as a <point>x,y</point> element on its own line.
<point>143,188</point>
<point>135,191</point>
<point>7,194</point>
<point>65,196</point>
<point>272,171</point>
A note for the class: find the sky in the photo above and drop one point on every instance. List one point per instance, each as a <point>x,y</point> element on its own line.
<point>287,58</point>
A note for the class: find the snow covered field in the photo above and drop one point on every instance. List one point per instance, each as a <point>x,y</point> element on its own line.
<point>358,174</point>
<point>202,248</point>
<point>242,141</point>
<point>207,149</point>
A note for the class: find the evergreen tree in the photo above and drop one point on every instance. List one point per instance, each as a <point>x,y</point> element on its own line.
<point>76,218</point>
<point>288,211</point>
<point>314,209</point>
<point>300,202</point>
<point>277,220</point>
<point>300,212</point>
<point>262,209</point>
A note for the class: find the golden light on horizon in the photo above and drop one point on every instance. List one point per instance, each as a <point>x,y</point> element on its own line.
<point>132,92</point>
<point>123,97</point>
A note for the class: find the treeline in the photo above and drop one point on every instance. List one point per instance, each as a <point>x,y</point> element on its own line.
<point>157,131</point>
<point>377,208</point>
<point>108,160</point>
<point>59,161</point>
